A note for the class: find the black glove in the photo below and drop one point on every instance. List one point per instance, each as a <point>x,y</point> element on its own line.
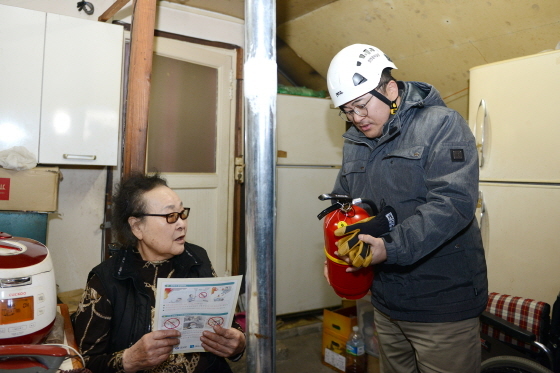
<point>358,252</point>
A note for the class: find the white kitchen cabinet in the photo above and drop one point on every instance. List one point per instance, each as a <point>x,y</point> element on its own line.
<point>81,92</point>
<point>22,36</point>
<point>67,106</point>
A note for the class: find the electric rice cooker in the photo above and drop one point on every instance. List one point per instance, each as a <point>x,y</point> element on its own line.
<point>27,291</point>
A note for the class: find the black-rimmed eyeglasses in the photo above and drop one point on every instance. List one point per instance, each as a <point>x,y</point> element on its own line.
<point>171,217</point>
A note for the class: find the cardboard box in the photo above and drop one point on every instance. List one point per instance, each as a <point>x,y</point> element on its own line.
<point>337,326</point>
<point>29,190</point>
<point>333,350</point>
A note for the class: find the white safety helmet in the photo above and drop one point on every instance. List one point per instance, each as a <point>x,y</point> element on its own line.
<point>354,71</point>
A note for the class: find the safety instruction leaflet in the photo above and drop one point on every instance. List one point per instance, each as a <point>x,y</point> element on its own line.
<point>193,305</point>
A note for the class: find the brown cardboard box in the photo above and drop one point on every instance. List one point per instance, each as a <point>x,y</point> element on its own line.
<point>337,326</point>
<point>333,350</point>
<point>30,190</point>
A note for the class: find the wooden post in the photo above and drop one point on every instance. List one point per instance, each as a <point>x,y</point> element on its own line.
<point>138,96</point>
<point>112,10</point>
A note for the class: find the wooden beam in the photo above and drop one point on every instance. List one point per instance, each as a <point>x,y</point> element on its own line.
<point>112,10</point>
<point>138,96</point>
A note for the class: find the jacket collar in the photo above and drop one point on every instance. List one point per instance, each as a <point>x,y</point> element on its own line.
<point>182,263</point>
<point>413,95</point>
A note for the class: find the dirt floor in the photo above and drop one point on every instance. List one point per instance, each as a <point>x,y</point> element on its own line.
<point>298,348</point>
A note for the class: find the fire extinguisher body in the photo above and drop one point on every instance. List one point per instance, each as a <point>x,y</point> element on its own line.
<point>349,285</point>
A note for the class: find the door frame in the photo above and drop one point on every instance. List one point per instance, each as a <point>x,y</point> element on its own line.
<point>238,242</point>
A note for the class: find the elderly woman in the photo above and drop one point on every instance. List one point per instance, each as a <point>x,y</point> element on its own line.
<point>113,322</point>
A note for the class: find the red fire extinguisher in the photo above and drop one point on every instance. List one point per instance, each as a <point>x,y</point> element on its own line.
<point>349,285</point>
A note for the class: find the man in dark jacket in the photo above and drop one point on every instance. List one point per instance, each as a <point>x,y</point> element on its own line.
<point>406,149</point>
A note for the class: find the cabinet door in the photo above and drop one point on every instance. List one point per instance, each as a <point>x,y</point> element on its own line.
<point>300,254</point>
<point>22,34</point>
<point>81,92</point>
<point>514,113</point>
<point>520,231</point>
<point>309,132</point>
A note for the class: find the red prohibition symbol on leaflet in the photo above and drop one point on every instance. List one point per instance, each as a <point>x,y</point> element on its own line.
<point>203,294</point>
<point>171,323</point>
<point>216,320</point>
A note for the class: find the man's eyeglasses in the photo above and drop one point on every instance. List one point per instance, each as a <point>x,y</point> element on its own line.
<point>359,110</point>
<point>171,217</point>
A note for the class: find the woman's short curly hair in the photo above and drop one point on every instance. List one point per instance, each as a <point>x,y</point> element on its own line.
<point>127,202</point>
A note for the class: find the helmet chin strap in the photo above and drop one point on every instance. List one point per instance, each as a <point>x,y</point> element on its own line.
<point>392,104</point>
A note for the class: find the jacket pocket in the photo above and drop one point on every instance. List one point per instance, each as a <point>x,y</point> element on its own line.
<point>403,171</point>
<point>351,167</point>
<point>354,174</point>
<point>447,279</point>
<point>412,153</point>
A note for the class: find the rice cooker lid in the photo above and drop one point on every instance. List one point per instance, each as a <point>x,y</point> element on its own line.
<point>20,252</point>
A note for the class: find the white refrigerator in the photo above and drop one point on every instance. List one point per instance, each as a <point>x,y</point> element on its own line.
<point>309,143</point>
<point>514,113</point>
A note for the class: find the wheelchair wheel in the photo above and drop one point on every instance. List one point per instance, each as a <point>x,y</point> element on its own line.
<point>512,364</point>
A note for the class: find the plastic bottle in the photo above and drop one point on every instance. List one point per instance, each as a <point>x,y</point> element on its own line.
<point>356,359</point>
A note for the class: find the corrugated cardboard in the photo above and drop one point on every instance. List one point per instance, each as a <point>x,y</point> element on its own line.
<point>337,326</point>
<point>333,351</point>
<point>30,190</point>
<point>340,321</point>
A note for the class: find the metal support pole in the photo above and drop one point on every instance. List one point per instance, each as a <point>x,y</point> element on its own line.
<point>260,87</point>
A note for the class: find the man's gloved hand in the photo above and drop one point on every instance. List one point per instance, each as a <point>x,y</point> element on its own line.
<point>358,252</point>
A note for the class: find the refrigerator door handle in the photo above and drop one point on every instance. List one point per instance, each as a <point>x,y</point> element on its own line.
<point>481,209</point>
<point>480,130</point>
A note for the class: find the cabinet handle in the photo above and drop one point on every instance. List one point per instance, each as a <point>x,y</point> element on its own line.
<point>80,156</point>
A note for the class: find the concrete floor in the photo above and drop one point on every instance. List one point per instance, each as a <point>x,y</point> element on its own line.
<point>298,349</point>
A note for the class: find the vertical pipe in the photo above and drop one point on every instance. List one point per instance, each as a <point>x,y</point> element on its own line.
<point>260,87</point>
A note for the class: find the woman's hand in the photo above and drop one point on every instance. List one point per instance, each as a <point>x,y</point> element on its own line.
<point>377,247</point>
<point>152,349</point>
<point>224,342</point>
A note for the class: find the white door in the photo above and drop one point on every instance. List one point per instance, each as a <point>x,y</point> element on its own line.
<point>309,132</point>
<point>520,223</point>
<point>80,112</point>
<point>514,113</point>
<point>300,254</point>
<point>309,137</point>
<point>191,138</point>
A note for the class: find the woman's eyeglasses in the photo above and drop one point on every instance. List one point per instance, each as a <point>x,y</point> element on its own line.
<point>171,217</point>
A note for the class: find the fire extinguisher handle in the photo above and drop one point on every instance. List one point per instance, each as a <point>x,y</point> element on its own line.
<point>329,209</point>
<point>338,197</point>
